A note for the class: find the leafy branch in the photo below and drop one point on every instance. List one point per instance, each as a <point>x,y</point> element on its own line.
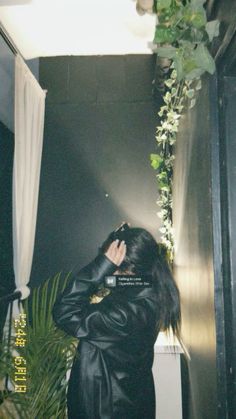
<point>182,36</point>
<point>178,96</point>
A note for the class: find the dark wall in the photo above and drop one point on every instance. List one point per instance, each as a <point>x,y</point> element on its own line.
<point>204,216</point>
<point>194,254</point>
<point>7,85</point>
<point>6,254</point>
<point>228,199</point>
<point>6,165</point>
<point>99,132</point>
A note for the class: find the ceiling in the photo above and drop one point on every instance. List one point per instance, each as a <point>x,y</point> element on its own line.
<point>42,28</point>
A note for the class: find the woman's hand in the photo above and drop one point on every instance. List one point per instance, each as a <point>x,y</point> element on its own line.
<point>116,252</point>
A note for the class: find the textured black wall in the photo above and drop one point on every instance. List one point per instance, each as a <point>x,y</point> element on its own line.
<point>99,132</point>
<point>194,254</point>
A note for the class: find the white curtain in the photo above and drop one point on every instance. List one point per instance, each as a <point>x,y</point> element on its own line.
<point>29,125</point>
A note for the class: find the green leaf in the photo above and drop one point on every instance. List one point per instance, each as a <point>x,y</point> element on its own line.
<point>190,93</point>
<point>173,75</point>
<point>179,67</point>
<point>166,52</point>
<point>163,4</point>
<point>162,110</point>
<point>169,82</point>
<point>204,59</point>
<point>156,161</point>
<point>189,65</point>
<point>192,103</point>
<point>198,19</point>
<point>194,15</point>
<point>194,74</point>
<point>198,85</point>
<point>48,354</point>
<point>166,34</point>
<point>167,98</point>
<point>197,3</point>
<point>194,35</point>
<point>163,179</point>
<point>180,108</point>
<point>163,187</point>
<point>212,29</point>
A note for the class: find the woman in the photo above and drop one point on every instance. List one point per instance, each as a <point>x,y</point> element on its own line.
<point>111,377</point>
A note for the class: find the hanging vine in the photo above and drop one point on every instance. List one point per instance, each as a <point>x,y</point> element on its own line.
<point>182,39</point>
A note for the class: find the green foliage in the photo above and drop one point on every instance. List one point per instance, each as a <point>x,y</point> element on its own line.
<point>166,35</point>
<point>178,96</point>
<point>156,161</point>
<point>48,352</point>
<point>183,35</point>
<point>163,4</point>
<point>212,29</point>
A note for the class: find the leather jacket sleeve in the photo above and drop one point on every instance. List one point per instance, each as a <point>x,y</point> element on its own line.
<point>106,321</point>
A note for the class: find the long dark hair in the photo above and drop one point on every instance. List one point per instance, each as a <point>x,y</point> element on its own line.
<point>145,256</point>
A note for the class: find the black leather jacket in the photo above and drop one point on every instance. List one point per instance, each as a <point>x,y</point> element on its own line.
<point>112,376</point>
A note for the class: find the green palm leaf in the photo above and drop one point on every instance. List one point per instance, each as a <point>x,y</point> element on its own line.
<point>49,354</point>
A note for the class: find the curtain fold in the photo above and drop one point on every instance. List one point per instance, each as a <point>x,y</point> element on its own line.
<point>29,126</point>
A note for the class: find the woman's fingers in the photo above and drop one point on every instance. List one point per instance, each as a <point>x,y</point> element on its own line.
<point>122,252</point>
<point>111,251</point>
<point>116,253</point>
